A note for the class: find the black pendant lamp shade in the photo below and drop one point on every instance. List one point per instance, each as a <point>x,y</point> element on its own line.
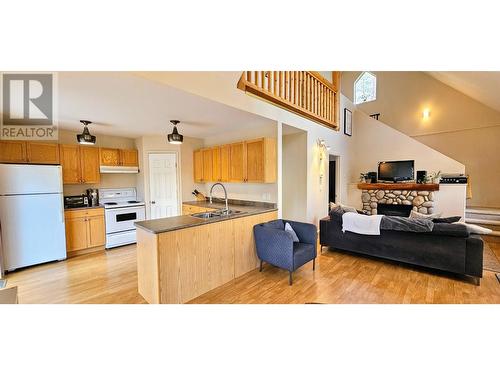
<point>175,138</point>
<point>86,138</point>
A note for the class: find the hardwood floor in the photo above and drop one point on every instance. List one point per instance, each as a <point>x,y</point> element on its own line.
<point>111,277</point>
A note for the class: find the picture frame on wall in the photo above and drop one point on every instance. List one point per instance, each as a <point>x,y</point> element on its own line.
<point>347,122</point>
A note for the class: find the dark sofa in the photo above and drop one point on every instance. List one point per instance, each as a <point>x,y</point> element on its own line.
<point>449,247</point>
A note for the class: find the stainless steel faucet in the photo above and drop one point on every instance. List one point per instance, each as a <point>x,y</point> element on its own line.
<point>225,195</point>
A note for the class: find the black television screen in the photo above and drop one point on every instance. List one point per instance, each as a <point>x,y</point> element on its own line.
<point>401,170</point>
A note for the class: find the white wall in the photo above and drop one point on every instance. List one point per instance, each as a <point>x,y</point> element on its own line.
<point>294,176</point>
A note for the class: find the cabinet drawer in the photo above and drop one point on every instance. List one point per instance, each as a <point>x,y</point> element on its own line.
<point>73,214</point>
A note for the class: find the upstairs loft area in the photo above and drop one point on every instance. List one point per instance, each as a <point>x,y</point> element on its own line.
<point>305,93</point>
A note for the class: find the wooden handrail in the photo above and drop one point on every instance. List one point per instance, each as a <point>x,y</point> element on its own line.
<point>306,93</point>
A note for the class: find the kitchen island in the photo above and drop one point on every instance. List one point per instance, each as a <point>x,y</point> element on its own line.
<point>180,258</point>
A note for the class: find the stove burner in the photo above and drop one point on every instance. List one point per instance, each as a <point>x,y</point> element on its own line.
<point>111,204</point>
<point>133,202</point>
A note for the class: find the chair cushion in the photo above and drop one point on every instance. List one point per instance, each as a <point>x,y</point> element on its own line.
<point>275,224</point>
<point>289,229</point>
<point>302,253</point>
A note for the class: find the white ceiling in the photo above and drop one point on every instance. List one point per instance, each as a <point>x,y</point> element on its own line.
<point>482,86</point>
<point>126,105</point>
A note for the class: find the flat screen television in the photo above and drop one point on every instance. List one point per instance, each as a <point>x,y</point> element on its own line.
<point>401,170</point>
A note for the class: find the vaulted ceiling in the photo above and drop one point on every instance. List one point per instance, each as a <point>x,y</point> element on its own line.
<point>482,86</point>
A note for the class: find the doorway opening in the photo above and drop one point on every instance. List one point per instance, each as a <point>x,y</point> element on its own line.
<point>163,185</point>
<point>294,174</point>
<point>333,173</point>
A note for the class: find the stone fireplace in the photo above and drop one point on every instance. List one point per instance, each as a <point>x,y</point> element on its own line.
<point>419,196</point>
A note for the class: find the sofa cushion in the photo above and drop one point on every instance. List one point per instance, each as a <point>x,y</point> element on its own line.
<point>275,224</point>
<point>406,224</point>
<point>449,220</point>
<point>452,230</point>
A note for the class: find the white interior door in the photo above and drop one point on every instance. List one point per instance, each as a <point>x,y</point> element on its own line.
<point>163,185</point>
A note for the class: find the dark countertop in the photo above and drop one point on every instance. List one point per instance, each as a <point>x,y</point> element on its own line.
<point>82,208</point>
<point>169,224</point>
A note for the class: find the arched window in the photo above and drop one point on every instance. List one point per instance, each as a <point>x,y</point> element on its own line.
<point>365,88</point>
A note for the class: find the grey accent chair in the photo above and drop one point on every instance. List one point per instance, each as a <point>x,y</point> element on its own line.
<point>276,247</point>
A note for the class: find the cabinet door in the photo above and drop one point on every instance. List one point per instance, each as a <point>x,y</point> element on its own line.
<point>224,163</point>
<point>76,234</point>
<point>70,162</point>
<point>89,157</point>
<point>13,152</point>
<point>96,231</point>
<point>207,165</point>
<point>255,160</point>
<point>129,158</point>
<point>109,157</point>
<point>237,162</point>
<point>43,153</point>
<point>216,164</point>
<point>198,166</point>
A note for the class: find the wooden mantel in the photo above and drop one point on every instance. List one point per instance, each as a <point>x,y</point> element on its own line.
<point>399,186</point>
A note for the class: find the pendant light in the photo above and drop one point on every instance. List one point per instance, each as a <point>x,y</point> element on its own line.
<point>175,138</point>
<point>86,138</point>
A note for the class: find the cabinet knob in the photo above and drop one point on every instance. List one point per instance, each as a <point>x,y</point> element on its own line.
<point>153,202</point>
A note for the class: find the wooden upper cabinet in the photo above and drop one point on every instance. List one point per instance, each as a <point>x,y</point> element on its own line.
<point>207,164</point>
<point>224,163</point>
<point>129,158</point>
<point>261,160</point>
<point>70,162</point>
<point>255,161</point>
<point>13,152</point>
<point>42,153</point>
<point>237,162</point>
<point>216,164</point>
<point>109,157</point>
<point>198,165</point>
<point>80,164</point>
<point>89,161</point>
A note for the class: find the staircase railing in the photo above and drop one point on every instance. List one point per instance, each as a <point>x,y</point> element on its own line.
<point>304,92</point>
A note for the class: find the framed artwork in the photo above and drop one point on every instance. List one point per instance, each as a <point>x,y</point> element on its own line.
<point>347,122</point>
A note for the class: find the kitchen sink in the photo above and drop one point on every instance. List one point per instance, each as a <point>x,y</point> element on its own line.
<point>214,214</point>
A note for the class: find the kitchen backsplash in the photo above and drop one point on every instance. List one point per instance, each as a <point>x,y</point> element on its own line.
<point>107,181</point>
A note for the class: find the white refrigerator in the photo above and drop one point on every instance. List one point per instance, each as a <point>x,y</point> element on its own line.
<point>31,215</point>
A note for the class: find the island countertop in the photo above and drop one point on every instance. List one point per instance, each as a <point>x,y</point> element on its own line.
<point>168,224</point>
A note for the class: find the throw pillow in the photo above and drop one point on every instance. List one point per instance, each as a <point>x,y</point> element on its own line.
<point>289,229</point>
<point>274,224</point>
<point>336,209</point>
<point>348,208</point>
<point>476,229</point>
<point>418,215</point>
<point>448,220</point>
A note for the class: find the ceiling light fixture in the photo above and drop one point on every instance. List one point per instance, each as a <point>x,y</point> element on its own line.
<point>175,138</point>
<point>86,138</point>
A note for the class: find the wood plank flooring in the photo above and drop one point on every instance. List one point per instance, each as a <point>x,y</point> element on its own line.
<point>111,277</point>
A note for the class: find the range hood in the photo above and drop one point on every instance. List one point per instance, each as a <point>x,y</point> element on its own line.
<point>118,169</point>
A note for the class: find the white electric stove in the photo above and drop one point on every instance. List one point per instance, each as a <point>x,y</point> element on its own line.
<point>121,209</point>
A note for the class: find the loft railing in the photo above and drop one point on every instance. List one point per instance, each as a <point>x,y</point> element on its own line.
<point>305,93</point>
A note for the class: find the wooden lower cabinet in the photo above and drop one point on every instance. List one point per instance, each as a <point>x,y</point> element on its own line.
<point>188,209</point>
<point>85,231</point>
<point>177,266</point>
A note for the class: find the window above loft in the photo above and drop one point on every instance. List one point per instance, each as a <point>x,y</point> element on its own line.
<point>365,88</point>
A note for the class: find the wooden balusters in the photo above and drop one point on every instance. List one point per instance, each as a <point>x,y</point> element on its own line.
<point>303,92</point>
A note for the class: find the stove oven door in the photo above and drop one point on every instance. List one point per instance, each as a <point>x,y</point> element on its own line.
<point>122,219</point>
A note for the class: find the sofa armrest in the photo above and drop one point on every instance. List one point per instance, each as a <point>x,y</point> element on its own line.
<point>307,233</point>
<point>474,256</point>
<point>274,246</point>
